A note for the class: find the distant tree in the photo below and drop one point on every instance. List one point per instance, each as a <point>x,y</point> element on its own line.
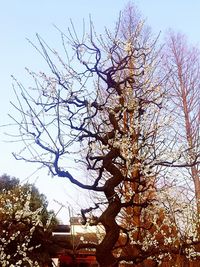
<point>183,61</point>
<point>8,183</point>
<point>37,199</point>
<point>25,224</point>
<point>104,109</point>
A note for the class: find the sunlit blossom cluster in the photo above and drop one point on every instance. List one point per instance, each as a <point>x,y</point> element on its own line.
<point>18,224</point>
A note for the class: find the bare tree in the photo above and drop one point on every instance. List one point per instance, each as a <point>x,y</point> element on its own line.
<point>103,108</point>
<point>184,86</point>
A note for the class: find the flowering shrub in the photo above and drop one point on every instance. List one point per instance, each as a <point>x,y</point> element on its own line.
<point>23,232</point>
<point>167,234</point>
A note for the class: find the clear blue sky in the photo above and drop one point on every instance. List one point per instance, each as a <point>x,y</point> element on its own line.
<point>23,18</point>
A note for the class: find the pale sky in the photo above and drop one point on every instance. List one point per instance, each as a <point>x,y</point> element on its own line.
<point>21,19</point>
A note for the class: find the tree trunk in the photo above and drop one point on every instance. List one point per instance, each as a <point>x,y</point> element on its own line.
<point>104,253</point>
